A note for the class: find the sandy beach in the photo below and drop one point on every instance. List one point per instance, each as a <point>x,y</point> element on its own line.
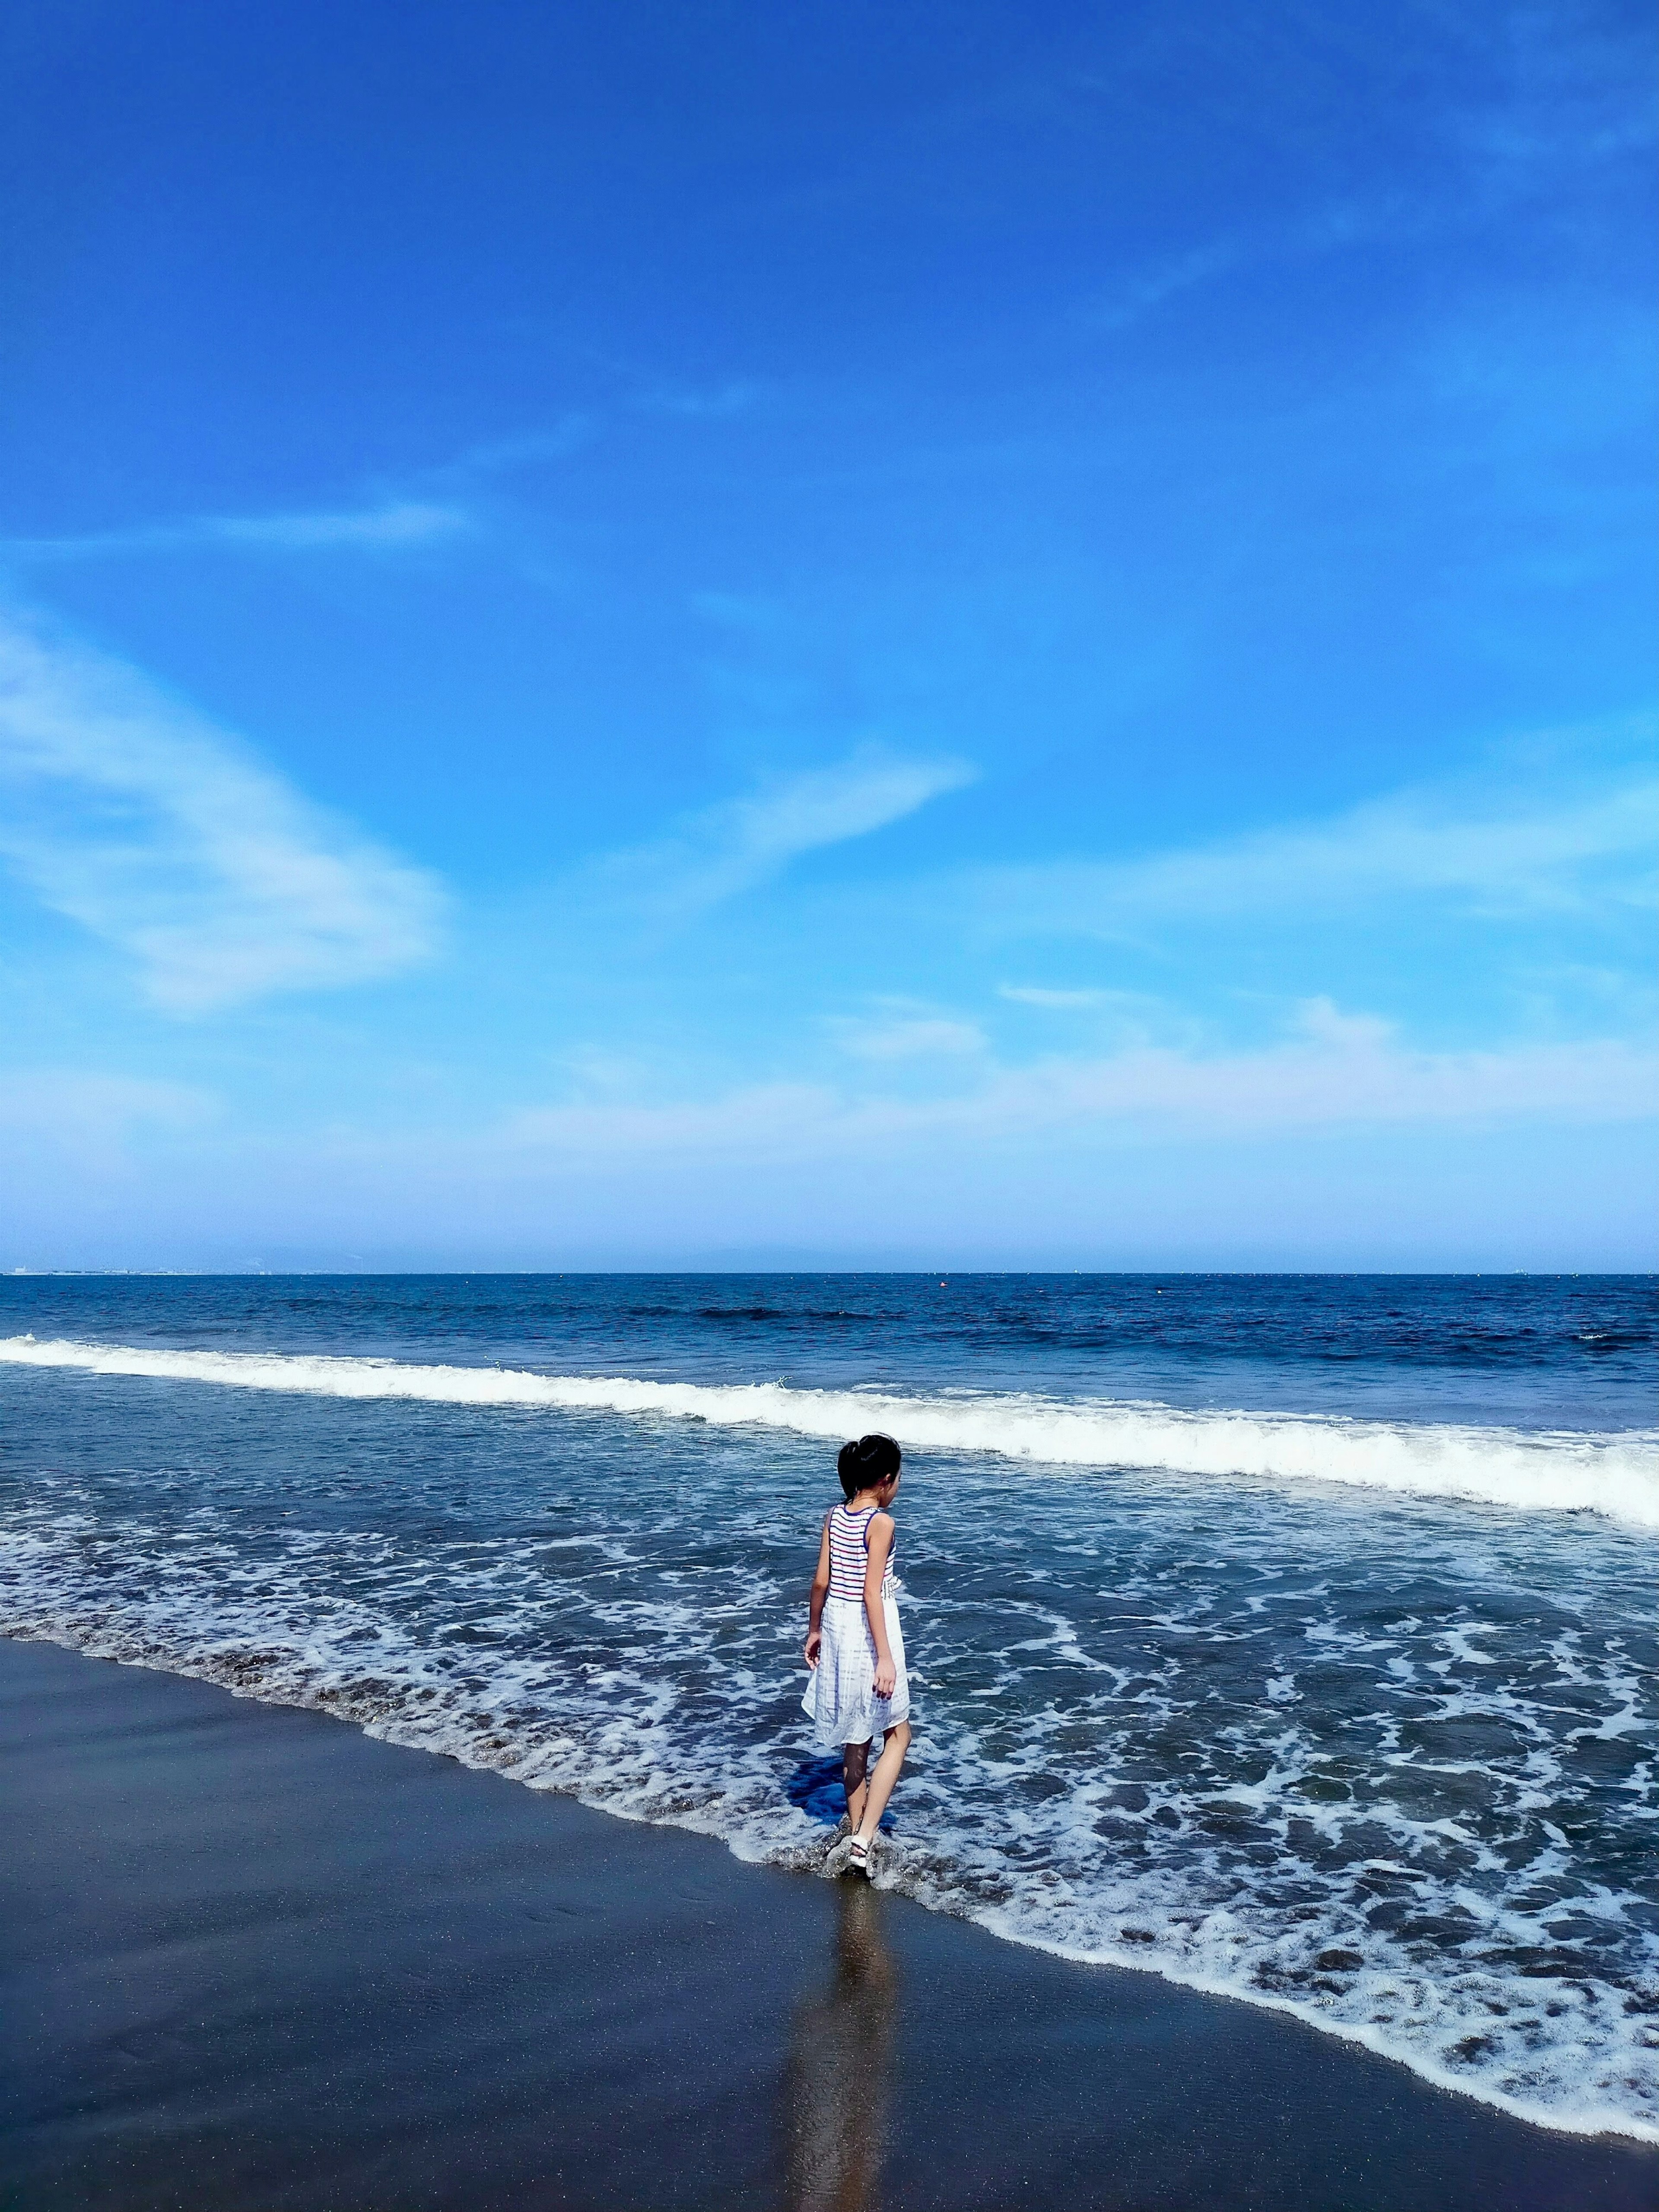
<point>255,1958</point>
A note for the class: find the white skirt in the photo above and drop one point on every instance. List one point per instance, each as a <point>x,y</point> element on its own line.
<point>841,1697</point>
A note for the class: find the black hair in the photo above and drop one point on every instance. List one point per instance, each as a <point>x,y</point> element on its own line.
<point>861,1465</point>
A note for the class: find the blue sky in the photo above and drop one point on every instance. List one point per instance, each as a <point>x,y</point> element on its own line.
<point>799,634</point>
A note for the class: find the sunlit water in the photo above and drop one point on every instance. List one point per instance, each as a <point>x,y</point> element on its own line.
<point>1293,1638</point>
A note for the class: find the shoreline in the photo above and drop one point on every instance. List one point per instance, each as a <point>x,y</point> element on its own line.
<point>402,1733</point>
<point>311,1969</point>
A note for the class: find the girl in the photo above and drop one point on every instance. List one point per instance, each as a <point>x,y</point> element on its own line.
<point>858,1688</point>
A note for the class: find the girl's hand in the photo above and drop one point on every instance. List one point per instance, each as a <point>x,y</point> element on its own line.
<point>814,1643</point>
<point>886,1678</point>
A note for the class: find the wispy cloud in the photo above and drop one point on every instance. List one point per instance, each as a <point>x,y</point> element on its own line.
<point>161,835</point>
<point>1591,849</point>
<point>712,402</point>
<point>910,1036</point>
<point>524,450</point>
<point>728,848</point>
<point>1572,101</point>
<point>1141,295</point>
<point>92,1115</point>
<point>390,526</point>
<point>438,503</point>
<point>1331,1071</point>
<point>1055,1002</point>
<point>399,522</point>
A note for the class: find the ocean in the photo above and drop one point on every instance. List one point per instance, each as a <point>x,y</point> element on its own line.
<point>1291,1637</point>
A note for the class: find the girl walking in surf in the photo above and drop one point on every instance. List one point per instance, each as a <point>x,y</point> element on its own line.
<point>858,1688</point>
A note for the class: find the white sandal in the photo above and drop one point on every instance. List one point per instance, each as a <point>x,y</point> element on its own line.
<point>860,1857</point>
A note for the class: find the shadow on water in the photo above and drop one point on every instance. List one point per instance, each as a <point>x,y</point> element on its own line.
<point>817,1788</point>
<point>835,2109</point>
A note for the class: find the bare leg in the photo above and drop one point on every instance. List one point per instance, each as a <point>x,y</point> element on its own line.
<point>868,1817</point>
<point>855,1758</point>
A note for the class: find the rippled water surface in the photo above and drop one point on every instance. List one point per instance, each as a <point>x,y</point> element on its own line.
<point>1291,1636</point>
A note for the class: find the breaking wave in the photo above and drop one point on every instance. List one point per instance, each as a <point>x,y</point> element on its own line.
<point>1615,1474</point>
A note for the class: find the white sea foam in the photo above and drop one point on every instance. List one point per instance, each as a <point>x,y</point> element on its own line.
<point>1556,1471</point>
<point>327,1622</point>
<point>1394,1775</point>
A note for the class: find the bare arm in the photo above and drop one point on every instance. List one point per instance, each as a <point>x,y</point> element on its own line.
<point>879,1546</point>
<point>820,1591</point>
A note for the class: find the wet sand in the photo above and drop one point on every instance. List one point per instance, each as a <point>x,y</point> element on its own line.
<point>252,1959</point>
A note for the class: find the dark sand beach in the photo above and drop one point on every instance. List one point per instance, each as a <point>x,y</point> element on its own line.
<point>253,1958</point>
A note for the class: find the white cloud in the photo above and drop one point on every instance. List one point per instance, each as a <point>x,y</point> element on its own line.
<point>1589,850</point>
<point>390,523</point>
<point>398,522</point>
<point>163,836</point>
<point>732,847</point>
<point>712,402</point>
<point>1332,1071</point>
<point>530,449</point>
<point>90,1114</point>
<point>917,1037</point>
<point>394,524</point>
<point>1140,296</point>
<point>764,1118</point>
<point>1056,1002</point>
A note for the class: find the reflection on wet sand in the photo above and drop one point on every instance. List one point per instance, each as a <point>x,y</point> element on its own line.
<point>836,2087</point>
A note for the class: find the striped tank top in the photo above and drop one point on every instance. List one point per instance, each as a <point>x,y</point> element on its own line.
<point>849,1552</point>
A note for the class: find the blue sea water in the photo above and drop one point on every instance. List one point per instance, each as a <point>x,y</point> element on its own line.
<point>1291,1636</point>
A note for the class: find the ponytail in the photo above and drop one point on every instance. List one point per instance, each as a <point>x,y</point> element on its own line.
<point>873,1459</point>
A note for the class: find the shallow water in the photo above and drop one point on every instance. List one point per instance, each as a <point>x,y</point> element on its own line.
<point>1291,1637</point>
